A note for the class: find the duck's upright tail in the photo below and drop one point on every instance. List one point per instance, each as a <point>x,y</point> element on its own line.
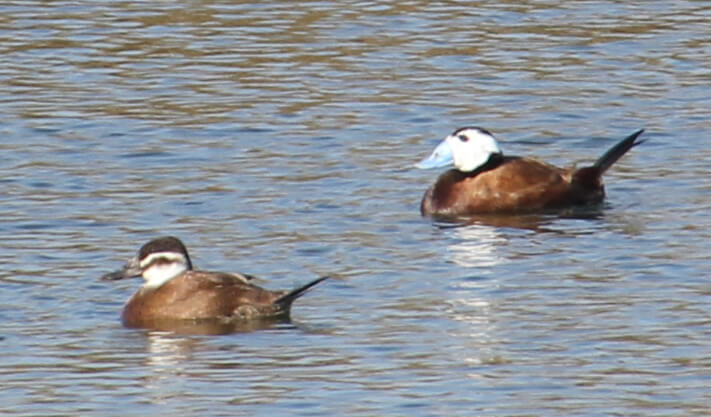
<point>616,152</point>
<point>284,302</point>
<point>591,176</point>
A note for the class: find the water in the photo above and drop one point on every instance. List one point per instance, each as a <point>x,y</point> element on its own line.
<point>278,140</point>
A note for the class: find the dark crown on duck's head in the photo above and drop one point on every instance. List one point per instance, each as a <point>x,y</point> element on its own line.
<point>476,128</point>
<point>168,244</point>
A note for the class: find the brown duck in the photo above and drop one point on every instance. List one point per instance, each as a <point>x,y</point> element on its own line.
<point>174,291</point>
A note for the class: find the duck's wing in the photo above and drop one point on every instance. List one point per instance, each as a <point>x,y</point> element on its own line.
<point>222,278</point>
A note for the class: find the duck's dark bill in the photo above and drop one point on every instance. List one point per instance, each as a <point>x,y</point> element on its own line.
<point>130,270</point>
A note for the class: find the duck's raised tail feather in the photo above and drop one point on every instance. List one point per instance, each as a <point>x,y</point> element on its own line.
<point>288,298</point>
<point>616,152</point>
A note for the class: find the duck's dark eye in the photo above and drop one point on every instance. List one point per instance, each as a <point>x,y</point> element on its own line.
<point>463,138</point>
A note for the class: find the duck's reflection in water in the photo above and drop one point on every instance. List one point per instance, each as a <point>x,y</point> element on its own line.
<point>168,358</point>
<point>214,326</point>
<point>535,222</point>
<point>475,245</point>
<point>484,245</point>
<point>173,346</point>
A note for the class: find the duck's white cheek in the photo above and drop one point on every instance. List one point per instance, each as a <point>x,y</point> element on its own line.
<point>468,157</point>
<point>158,275</point>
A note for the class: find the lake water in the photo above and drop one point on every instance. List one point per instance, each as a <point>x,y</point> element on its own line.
<point>278,139</point>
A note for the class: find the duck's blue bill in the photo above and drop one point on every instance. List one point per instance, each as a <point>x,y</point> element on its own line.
<point>441,157</point>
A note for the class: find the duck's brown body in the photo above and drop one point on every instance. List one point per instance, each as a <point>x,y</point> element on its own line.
<point>512,185</point>
<point>200,295</point>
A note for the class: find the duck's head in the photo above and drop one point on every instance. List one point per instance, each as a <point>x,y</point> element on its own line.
<point>468,148</point>
<point>157,262</point>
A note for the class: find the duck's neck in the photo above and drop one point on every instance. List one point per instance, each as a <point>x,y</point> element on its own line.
<point>495,159</point>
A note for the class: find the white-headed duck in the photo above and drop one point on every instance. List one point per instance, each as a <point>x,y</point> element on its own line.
<point>485,181</point>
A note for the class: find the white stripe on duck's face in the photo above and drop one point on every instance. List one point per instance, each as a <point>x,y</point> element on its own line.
<point>161,267</point>
<point>467,149</point>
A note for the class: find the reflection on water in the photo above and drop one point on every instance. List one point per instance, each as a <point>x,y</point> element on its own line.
<point>475,245</point>
<point>166,352</point>
<point>215,327</point>
<point>166,348</point>
<point>167,359</point>
<point>478,336</point>
<point>477,239</point>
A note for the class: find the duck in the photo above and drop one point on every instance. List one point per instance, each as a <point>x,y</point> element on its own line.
<point>174,291</point>
<point>485,181</point>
